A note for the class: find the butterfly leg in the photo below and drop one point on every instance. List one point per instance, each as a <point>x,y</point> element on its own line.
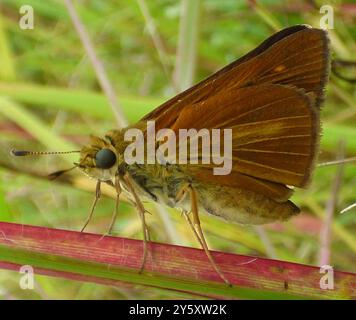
<point>196,227</point>
<point>141,211</point>
<point>97,197</point>
<point>191,225</point>
<point>116,210</point>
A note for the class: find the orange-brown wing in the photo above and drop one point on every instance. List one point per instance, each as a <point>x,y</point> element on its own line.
<point>276,191</point>
<point>275,134</point>
<point>269,98</point>
<point>297,56</point>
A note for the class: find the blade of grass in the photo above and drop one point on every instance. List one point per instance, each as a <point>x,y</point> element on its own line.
<point>188,36</point>
<point>7,70</point>
<point>35,127</point>
<point>74,100</point>
<point>269,247</point>
<point>157,41</point>
<point>97,65</point>
<point>171,267</point>
<point>265,15</point>
<point>5,213</point>
<point>325,234</point>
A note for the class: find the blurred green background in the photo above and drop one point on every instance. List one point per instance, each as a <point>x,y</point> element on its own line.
<point>50,99</point>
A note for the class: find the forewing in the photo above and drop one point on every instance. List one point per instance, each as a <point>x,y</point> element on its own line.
<point>296,56</point>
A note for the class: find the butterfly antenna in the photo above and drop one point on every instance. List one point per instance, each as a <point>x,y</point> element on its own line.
<point>54,175</point>
<point>22,153</point>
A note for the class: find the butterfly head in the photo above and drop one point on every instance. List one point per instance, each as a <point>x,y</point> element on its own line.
<point>100,159</point>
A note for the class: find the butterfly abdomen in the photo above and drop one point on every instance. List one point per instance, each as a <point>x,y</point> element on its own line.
<point>243,206</point>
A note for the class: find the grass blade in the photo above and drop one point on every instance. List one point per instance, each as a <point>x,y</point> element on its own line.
<point>91,257</point>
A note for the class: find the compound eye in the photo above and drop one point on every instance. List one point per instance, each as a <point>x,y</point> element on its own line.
<point>105,159</point>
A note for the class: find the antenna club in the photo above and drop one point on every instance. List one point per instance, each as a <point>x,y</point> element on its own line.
<point>19,153</point>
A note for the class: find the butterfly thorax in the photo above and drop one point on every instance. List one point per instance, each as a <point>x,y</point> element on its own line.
<point>158,182</point>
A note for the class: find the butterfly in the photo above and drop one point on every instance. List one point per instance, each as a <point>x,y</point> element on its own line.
<point>269,100</point>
